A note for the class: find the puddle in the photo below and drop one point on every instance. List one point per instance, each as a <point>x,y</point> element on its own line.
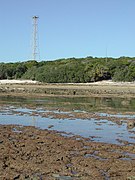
<point>58,177</point>
<point>116,115</point>
<point>16,130</point>
<point>125,155</point>
<point>97,130</point>
<point>129,156</point>
<point>95,156</point>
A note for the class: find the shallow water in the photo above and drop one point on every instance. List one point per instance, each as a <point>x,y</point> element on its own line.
<point>27,112</point>
<point>98,130</point>
<point>89,104</point>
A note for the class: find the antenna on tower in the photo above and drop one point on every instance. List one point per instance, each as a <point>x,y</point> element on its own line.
<point>35,48</point>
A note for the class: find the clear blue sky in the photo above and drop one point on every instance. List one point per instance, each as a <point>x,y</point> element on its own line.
<point>67,28</point>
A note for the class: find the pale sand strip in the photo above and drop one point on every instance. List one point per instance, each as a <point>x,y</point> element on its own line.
<point>105,82</point>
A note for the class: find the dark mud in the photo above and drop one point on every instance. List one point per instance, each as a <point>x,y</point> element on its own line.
<point>30,153</point>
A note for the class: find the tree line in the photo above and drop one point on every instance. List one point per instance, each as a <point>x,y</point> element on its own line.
<point>71,70</point>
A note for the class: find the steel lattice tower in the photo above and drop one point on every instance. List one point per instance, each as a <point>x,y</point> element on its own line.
<point>35,45</point>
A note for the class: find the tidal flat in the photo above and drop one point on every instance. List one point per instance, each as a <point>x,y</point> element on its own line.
<point>60,138</point>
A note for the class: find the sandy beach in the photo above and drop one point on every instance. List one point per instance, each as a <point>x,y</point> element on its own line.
<point>104,82</point>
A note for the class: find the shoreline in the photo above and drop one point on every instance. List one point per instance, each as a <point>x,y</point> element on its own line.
<point>103,82</point>
<point>99,89</point>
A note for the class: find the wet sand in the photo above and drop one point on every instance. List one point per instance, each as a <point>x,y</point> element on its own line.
<point>30,153</point>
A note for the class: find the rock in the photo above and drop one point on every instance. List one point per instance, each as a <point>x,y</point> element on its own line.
<point>1,141</point>
<point>50,126</point>
<point>56,175</point>
<point>17,176</point>
<point>130,124</point>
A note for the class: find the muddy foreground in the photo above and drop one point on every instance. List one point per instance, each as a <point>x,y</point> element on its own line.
<point>30,153</point>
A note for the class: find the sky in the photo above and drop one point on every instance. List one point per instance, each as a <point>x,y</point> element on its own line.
<point>67,28</point>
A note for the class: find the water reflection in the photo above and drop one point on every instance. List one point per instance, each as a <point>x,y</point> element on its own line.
<point>88,104</point>
<point>101,130</point>
<point>97,125</point>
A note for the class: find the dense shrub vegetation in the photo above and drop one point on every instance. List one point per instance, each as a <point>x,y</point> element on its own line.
<point>71,70</point>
